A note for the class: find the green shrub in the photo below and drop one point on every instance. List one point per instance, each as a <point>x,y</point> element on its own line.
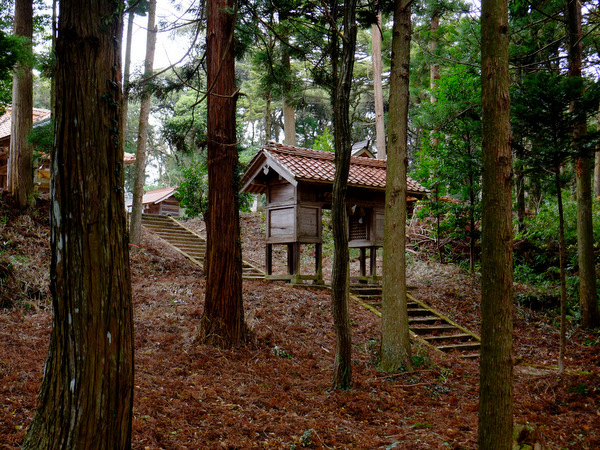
<point>193,189</point>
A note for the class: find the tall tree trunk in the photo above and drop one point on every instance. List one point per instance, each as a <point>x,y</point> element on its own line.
<point>20,164</point>
<point>268,117</point>
<point>588,297</point>
<point>86,396</point>
<point>142,139</point>
<point>520,195</point>
<point>434,69</point>
<point>289,112</point>
<point>563,278</point>
<point>496,367</point>
<point>222,323</point>
<point>376,39</point>
<point>395,339</point>
<point>126,72</point>
<point>597,175</point>
<point>342,369</point>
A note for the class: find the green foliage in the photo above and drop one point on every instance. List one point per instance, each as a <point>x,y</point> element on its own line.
<point>541,113</point>
<point>449,160</point>
<point>41,137</point>
<point>324,141</point>
<point>536,255</point>
<point>193,189</point>
<point>13,49</point>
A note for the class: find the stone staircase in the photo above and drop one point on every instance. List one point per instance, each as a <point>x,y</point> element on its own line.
<point>425,323</point>
<point>188,243</point>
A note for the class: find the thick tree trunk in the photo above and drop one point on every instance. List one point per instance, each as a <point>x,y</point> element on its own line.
<point>342,369</point>
<point>588,297</point>
<point>395,339</point>
<point>20,164</point>
<point>87,392</point>
<point>142,139</point>
<point>496,367</point>
<point>223,319</point>
<point>378,88</point>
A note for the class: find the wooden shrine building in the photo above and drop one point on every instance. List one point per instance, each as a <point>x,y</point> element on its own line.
<point>159,202</point>
<point>298,183</point>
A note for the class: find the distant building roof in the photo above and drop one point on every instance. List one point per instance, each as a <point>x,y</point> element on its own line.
<point>5,121</point>
<point>128,158</point>
<point>362,149</point>
<point>302,164</point>
<point>156,196</point>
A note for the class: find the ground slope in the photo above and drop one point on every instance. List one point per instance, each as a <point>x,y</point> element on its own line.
<point>275,392</point>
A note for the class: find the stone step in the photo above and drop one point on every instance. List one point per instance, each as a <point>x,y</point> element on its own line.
<point>188,242</point>
<point>444,337</point>
<point>432,329</point>
<point>461,347</point>
<point>425,319</point>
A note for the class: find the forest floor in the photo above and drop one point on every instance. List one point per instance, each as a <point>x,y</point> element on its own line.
<point>275,392</point>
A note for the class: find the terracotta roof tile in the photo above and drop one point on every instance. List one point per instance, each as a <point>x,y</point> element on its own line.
<point>316,165</point>
<point>38,115</point>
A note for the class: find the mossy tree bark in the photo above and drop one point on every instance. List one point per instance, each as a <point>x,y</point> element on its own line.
<point>222,323</point>
<point>496,366</point>
<point>87,393</point>
<point>395,340</point>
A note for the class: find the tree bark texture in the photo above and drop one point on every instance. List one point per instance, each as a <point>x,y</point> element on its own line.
<point>20,164</point>
<point>126,71</point>
<point>222,323</point>
<point>395,339</point>
<point>597,174</point>
<point>342,369</point>
<point>496,366</point>
<point>588,297</point>
<point>376,39</point>
<point>562,257</point>
<point>87,392</point>
<point>289,112</point>
<point>434,69</point>
<point>142,138</point>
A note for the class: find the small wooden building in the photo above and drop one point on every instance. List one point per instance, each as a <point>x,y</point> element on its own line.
<point>298,183</point>
<point>41,173</point>
<point>160,201</point>
<point>40,116</point>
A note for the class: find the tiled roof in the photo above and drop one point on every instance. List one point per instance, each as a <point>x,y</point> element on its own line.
<point>38,115</point>
<point>315,165</point>
<point>156,196</point>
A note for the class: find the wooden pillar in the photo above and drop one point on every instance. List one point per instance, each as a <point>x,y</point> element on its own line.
<point>319,263</point>
<point>373,264</point>
<point>294,260</point>
<point>269,259</point>
<point>363,262</point>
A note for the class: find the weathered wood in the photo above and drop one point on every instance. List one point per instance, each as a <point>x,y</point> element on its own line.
<point>281,194</point>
